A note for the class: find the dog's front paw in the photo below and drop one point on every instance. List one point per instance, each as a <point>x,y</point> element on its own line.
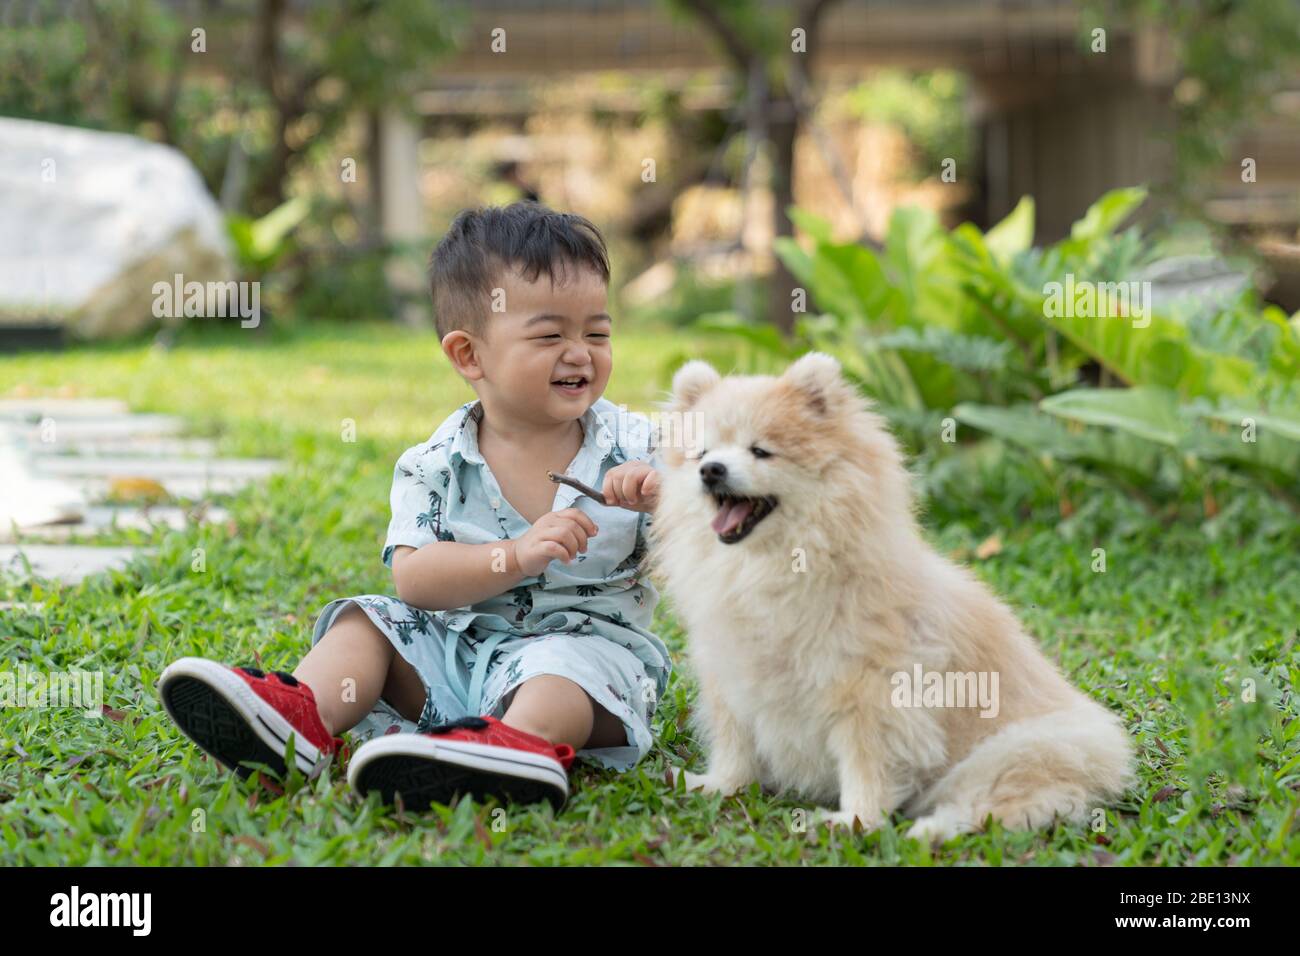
<point>705,782</point>
<point>858,821</point>
<point>939,827</point>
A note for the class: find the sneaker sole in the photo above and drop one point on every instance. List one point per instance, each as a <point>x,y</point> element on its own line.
<point>426,771</point>
<point>218,711</point>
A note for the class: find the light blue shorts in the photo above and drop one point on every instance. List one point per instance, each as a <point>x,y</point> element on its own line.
<point>458,683</point>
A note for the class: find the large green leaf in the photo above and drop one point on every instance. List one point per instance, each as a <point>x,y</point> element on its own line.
<point>995,302</point>
<point>1269,455</point>
<point>1020,425</point>
<point>1015,233</point>
<point>879,372</point>
<point>1148,411</point>
<point>796,259</point>
<point>815,226</point>
<point>260,242</point>
<point>1155,414</point>
<point>270,231</point>
<point>922,266</point>
<point>1284,422</point>
<point>764,336</point>
<point>861,275</point>
<point>1124,456</point>
<point>913,239</point>
<point>968,352</point>
<point>1105,215</point>
<point>1143,351</point>
<point>846,280</point>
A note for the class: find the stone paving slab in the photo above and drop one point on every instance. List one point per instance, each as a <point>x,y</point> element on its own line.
<point>125,466</point>
<point>23,607</point>
<point>101,518</point>
<point>134,446</point>
<point>177,489</point>
<point>34,409</point>
<point>63,562</point>
<point>94,449</point>
<point>103,428</point>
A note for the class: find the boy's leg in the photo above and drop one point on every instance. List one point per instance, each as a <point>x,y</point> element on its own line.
<point>607,730</point>
<point>354,649</point>
<point>559,710</point>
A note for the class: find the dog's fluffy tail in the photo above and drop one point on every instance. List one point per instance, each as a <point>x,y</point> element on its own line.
<point>1066,764</point>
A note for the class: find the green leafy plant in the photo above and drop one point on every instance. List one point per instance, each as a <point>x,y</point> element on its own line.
<point>260,243</point>
<point>982,327</point>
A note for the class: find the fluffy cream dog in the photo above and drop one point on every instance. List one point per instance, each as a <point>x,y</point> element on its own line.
<point>786,539</point>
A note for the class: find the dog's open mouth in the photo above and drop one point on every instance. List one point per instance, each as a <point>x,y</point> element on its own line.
<point>737,517</point>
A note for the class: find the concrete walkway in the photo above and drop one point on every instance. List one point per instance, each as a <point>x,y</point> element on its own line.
<point>75,469</point>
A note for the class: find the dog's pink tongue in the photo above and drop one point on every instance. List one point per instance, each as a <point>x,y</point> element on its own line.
<point>730,515</point>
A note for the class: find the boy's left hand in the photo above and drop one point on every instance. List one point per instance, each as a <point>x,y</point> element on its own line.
<point>633,485</point>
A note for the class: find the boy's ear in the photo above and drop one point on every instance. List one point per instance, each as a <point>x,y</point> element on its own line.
<point>691,381</point>
<point>460,351</point>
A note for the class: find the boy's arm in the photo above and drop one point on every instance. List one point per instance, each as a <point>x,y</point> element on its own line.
<point>448,574</point>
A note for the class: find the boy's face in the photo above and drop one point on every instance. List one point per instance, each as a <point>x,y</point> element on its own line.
<point>547,334</point>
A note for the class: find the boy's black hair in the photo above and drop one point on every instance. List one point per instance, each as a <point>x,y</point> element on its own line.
<point>525,236</point>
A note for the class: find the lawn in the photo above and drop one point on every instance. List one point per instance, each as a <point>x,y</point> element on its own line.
<point>1191,637</point>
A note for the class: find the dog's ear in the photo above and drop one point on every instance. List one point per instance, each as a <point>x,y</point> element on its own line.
<point>816,376</point>
<point>691,381</point>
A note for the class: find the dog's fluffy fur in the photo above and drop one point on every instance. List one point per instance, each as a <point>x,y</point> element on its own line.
<point>795,666</point>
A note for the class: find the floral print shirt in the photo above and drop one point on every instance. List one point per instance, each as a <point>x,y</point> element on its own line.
<point>443,490</point>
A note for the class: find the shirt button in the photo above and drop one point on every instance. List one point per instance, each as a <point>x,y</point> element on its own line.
<point>496,502</point>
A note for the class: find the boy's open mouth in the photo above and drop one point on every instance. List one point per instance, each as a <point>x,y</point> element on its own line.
<point>737,516</point>
<point>570,386</point>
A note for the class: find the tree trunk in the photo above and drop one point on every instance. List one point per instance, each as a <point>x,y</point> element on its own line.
<point>783,131</point>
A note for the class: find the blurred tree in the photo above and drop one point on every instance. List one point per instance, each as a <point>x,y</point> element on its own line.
<point>928,106</point>
<point>771,52</point>
<point>1233,55</point>
<point>245,88</point>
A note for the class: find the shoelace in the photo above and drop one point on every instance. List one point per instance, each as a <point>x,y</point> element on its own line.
<point>468,723</point>
<point>284,678</point>
<point>290,680</point>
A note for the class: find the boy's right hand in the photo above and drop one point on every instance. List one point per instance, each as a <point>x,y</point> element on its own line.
<point>557,534</point>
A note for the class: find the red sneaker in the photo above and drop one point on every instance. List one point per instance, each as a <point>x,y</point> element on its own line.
<point>240,714</point>
<point>476,755</point>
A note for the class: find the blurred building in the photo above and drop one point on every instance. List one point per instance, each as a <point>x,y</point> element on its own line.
<point>1053,119</point>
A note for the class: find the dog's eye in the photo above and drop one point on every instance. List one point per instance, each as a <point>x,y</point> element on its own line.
<point>700,456</point>
<point>760,452</point>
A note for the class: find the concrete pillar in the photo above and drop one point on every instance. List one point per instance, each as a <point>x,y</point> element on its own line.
<point>402,214</point>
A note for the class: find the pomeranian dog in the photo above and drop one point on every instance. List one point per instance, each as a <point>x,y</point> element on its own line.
<point>838,655</point>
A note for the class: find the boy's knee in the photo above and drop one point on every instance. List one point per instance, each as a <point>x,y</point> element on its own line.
<point>352,620</point>
<point>352,615</point>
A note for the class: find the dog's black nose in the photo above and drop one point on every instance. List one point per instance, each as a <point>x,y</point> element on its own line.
<point>713,472</point>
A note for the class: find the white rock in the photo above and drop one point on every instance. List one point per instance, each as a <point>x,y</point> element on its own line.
<point>92,221</point>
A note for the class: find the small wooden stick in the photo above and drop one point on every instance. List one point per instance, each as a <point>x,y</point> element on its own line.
<point>587,490</point>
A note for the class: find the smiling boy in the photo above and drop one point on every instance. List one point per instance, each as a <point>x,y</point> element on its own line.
<point>518,638</point>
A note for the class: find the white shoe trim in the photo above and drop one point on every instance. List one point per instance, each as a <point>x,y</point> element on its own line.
<point>266,722</point>
<point>522,764</point>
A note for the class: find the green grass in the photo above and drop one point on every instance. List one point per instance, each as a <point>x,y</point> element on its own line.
<point>1164,636</point>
